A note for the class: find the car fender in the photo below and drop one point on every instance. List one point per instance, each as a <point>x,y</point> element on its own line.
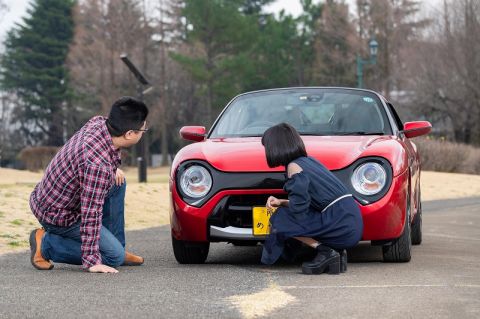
<point>391,149</point>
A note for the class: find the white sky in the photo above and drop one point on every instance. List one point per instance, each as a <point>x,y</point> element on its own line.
<point>17,9</point>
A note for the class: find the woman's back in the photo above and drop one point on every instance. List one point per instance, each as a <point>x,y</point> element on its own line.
<point>324,186</point>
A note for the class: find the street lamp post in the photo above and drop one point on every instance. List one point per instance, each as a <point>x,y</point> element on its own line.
<point>373,45</point>
<point>142,163</point>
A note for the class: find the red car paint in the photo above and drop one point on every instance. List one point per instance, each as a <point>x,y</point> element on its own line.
<point>383,219</point>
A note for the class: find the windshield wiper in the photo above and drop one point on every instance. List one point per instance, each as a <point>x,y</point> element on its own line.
<point>256,135</point>
<point>311,133</point>
<point>359,133</point>
<point>339,133</point>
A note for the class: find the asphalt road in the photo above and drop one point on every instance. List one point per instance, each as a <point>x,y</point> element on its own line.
<point>441,281</point>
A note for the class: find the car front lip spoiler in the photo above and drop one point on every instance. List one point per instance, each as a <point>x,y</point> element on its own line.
<point>235,233</point>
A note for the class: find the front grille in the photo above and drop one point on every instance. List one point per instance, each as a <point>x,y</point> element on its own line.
<point>236,210</point>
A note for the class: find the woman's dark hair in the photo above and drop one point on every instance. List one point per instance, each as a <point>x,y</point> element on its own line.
<point>127,113</point>
<point>282,145</point>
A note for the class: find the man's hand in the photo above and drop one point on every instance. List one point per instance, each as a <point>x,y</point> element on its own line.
<point>273,202</point>
<point>119,177</point>
<point>103,269</point>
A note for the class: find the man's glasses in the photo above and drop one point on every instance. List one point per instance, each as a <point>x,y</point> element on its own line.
<point>141,129</point>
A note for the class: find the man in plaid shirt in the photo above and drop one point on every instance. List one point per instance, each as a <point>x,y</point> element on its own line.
<point>80,199</point>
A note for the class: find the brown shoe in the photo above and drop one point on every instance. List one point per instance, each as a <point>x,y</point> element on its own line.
<point>36,250</point>
<point>132,260</point>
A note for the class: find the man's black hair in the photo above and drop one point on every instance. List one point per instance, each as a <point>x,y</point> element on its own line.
<point>127,113</point>
<point>282,145</point>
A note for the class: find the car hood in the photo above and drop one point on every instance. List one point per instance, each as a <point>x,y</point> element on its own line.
<point>248,154</point>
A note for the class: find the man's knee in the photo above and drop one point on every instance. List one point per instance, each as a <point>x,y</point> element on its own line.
<point>114,258</point>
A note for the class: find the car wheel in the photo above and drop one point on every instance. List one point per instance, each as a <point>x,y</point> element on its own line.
<point>190,253</point>
<point>400,249</point>
<point>417,226</point>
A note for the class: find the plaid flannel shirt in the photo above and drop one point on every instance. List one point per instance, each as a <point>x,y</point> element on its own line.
<point>76,183</point>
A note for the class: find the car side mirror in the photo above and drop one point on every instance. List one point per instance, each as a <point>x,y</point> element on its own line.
<point>193,133</point>
<point>418,128</point>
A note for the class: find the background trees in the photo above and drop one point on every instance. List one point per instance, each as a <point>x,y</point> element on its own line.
<point>445,71</point>
<point>4,110</point>
<point>223,37</point>
<point>105,30</point>
<point>396,25</point>
<point>335,45</point>
<point>62,68</point>
<point>33,70</point>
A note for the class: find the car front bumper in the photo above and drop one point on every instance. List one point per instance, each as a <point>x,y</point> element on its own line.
<point>383,219</point>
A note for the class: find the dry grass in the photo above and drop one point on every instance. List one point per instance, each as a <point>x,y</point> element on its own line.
<point>147,204</point>
<point>16,177</point>
<point>444,156</point>
<point>436,185</point>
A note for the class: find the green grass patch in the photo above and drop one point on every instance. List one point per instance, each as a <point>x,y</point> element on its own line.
<point>18,186</point>
<point>2,214</point>
<point>158,179</point>
<point>18,243</point>
<point>28,185</point>
<point>9,236</point>
<point>17,222</point>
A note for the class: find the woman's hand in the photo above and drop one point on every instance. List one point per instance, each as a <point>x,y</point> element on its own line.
<point>273,202</point>
<point>119,177</point>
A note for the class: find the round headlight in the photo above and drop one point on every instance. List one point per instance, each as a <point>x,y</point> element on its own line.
<point>196,181</point>
<point>369,178</point>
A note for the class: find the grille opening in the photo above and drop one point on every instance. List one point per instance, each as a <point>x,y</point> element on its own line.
<point>236,210</point>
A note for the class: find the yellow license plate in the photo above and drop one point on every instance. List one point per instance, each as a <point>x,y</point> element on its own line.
<point>261,220</point>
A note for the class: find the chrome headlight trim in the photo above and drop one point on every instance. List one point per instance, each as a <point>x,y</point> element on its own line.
<point>195,181</point>
<point>369,178</point>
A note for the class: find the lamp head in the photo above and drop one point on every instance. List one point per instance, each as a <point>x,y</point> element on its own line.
<point>373,44</point>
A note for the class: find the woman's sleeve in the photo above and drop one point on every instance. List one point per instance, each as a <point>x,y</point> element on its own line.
<point>298,194</point>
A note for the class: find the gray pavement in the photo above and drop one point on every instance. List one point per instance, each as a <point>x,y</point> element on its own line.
<point>441,281</point>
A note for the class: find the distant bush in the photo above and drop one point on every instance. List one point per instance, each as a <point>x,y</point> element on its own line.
<point>442,156</point>
<point>37,158</point>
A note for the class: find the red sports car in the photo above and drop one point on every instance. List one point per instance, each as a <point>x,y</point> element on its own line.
<point>217,183</point>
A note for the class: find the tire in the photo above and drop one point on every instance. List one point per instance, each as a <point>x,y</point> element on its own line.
<point>417,227</point>
<point>245,243</point>
<point>400,249</point>
<point>190,253</point>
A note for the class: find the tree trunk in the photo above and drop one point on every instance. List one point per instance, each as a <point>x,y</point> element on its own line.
<point>209,103</point>
<point>163,98</point>
<point>55,132</point>
<point>3,124</point>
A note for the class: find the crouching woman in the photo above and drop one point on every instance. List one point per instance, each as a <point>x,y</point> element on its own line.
<point>319,211</point>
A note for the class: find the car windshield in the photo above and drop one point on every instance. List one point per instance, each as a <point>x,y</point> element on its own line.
<point>310,111</point>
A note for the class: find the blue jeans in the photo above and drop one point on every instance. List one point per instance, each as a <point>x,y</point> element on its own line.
<point>62,244</point>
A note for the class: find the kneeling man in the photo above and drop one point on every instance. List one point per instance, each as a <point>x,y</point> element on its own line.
<point>80,199</point>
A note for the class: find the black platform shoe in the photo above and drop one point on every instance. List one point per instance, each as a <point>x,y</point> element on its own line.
<point>327,260</point>
<point>343,260</point>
